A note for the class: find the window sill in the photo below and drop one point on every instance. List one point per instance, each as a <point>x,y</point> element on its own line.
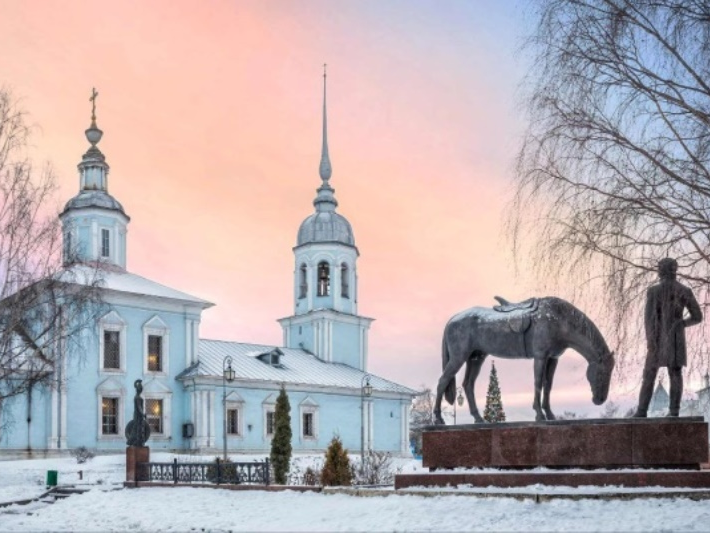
<point>112,371</point>
<point>155,373</point>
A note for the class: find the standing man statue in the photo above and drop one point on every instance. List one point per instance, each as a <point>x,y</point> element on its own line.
<point>665,334</point>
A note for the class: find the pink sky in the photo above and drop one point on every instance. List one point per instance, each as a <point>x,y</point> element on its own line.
<point>211,119</point>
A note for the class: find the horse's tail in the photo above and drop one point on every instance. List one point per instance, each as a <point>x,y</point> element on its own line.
<point>450,392</point>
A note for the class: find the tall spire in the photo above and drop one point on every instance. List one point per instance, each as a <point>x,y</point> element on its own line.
<point>325,169</point>
<point>325,201</point>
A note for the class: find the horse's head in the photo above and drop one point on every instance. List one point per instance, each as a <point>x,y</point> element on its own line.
<point>599,377</point>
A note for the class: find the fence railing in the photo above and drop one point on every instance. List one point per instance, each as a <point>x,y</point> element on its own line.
<point>218,472</point>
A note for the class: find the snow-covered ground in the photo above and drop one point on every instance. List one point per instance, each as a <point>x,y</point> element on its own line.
<point>108,507</point>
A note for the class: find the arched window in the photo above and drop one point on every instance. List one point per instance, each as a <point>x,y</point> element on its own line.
<point>323,279</point>
<point>303,284</point>
<point>344,281</point>
<point>68,252</point>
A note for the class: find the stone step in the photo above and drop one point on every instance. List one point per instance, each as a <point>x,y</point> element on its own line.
<point>690,479</point>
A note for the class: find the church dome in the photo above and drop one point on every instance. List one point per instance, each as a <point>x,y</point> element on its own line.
<point>325,226</point>
<point>96,199</point>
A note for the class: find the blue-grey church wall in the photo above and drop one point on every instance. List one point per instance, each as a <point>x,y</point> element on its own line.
<point>302,333</point>
<point>85,373</point>
<point>388,424</point>
<point>16,432</point>
<point>347,344</point>
<point>336,414</point>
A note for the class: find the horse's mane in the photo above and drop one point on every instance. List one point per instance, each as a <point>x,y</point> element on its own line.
<point>580,321</point>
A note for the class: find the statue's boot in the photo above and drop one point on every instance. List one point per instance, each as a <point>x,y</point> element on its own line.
<point>649,377</point>
<point>676,378</point>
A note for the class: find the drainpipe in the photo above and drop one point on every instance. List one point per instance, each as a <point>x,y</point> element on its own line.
<point>29,417</point>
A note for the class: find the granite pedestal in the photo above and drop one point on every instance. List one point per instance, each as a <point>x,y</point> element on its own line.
<point>597,445</point>
<point>134,456</point>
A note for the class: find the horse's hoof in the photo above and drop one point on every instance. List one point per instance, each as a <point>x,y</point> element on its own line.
<point>439,422</point>
<point>540,418</point>
<point>550,416</point>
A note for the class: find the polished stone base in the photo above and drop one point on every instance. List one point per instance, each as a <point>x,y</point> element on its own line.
<point>134,456</point>
<point>586,443</point>
<point>619,478</point>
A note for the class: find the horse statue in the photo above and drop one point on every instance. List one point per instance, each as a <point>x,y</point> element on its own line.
<point>540,329</point>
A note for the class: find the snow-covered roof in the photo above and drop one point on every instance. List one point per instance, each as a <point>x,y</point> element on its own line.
<point>296,367</point>
<point>117,279</point>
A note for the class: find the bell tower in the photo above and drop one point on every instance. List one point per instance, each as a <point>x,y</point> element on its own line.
<point>325,320</point>
<point>94,224</point>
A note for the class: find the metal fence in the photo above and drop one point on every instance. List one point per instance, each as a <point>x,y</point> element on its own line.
<point>218,472</point>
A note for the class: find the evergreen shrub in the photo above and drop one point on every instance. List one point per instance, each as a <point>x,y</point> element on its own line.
<point>337,469</point>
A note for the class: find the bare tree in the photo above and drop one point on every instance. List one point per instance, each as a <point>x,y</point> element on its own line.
<point>613,173</point>
<point>610,410</point>
<point>421,415</point>
<point>44,307</point>
<point>571,415</point>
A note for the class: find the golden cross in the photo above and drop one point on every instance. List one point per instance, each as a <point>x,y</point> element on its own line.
<point>94,94</point>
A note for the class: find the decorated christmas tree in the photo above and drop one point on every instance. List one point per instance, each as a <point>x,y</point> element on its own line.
<point>494,404</point>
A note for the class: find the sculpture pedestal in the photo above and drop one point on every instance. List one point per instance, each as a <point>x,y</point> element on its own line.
<point>134,456</point>
<point>585,443</point>
<point>602,444</point>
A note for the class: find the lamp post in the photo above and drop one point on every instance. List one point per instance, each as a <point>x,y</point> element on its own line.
<point>459,400</point>
<point>227,375</point>
<point>365,391</point>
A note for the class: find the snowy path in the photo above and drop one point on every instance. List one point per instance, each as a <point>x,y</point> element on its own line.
<point>184,509</point>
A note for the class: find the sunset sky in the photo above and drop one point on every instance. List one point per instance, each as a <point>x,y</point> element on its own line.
<point>211,113</point>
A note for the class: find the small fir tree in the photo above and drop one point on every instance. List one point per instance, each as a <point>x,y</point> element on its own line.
<point>281,443</point>
<point>494,404</point>
<point>337,469</point>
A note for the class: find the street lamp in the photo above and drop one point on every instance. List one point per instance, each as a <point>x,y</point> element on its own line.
<point>459,400</point>
<point>227,375</point>
<point>365,391</point>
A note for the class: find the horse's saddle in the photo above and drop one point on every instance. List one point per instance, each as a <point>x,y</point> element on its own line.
<point>520,321</point>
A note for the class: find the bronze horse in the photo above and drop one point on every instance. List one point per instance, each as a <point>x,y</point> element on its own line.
<point>538,329</point>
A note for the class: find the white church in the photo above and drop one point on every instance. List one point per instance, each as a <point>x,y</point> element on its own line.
<point>152,332</point>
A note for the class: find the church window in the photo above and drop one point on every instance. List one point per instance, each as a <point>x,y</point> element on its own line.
<point>112,344</point>
<point>344,281</point>
<point>154,415</point>
<point>308,410</point>
<point>303,285</point>
<point>155,353</point>
<point>112,349</point>
<point>308,429</point>
<point>156,342</point>
<point>323,279</point>
<point>67,247</point>
<point>105,249</point>
<point>270,423</point>
<point>109,416</point>
<point>233,421</point>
